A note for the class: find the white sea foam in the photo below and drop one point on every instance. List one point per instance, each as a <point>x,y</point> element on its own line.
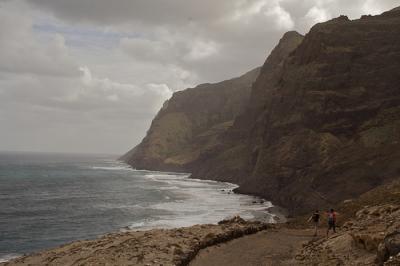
<point>112,168</point>
<point>137,225</point>
<point>195,201</point>
<point>200,202</point>
<point>8,257</point>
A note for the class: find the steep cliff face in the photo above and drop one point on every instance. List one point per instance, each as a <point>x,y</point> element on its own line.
<point>232,160</point>
<point>330,129</point>
<point>190,123</point>
<point>322,123</point>
<point>193,131</point>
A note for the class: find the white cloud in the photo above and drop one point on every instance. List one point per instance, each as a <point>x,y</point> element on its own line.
<point>317,14</point>
<point>85,75</point>
<point>372,7</point>
<point>22,51</point>
<point>201,50</point>
<point>148,50</point>
<point>283,20</point>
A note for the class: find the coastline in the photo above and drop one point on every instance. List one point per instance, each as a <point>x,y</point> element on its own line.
<point>292,241</point>
<point>121,199</point>
<point>167,246</point>
<point>366,237</point>
<point>157,246</point>
<point>262,213</point>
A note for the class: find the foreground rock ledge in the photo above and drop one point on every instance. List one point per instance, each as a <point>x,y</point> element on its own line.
<point>153,247</point>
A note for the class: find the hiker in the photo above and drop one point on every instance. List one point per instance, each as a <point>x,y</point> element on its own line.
<point>315,219</point>
<point>331,221</point>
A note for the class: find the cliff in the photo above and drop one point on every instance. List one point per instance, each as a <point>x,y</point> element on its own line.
<point>193,125</point>
<point>232,160</point>
<point>330,128</point>
<point>322,123</point>
<point>190,123</point>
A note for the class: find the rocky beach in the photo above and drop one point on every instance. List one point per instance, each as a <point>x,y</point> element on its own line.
<point>368,234</point>
<point>152,247</point>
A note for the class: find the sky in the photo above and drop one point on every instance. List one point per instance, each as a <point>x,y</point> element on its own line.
<point>88,76</point>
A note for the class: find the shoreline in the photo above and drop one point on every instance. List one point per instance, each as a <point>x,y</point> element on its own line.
<point>237,227</point>
<point>156,246</point>
<point>260,215</point>
<point>211,242</point>
<point>258,223</point>
<point>279,212</point>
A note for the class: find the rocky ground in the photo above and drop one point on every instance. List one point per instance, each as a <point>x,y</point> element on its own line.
<point>154,247</point>
<point>371,238</point>
<point>368,234</point>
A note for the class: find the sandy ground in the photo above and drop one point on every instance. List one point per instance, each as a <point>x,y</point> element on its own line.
<point>271,247</point>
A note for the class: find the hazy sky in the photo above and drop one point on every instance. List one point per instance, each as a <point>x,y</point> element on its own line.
<point>89,75</point>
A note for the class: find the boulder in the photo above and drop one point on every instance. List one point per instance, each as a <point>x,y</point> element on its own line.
<point>389,247</point>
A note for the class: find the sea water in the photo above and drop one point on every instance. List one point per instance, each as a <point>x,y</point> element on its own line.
<point>51,199</point>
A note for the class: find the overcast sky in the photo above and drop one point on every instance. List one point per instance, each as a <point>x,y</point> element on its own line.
<point>89,75</point>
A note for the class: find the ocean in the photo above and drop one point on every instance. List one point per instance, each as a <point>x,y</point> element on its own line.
<point>51,199</point>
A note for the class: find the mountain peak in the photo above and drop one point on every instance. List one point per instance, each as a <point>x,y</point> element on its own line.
<point>291,34</point>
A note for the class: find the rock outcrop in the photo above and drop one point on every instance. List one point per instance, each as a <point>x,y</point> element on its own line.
<point>322,123</point>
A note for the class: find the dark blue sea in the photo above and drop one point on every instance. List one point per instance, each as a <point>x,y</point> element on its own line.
<point>50,199</point>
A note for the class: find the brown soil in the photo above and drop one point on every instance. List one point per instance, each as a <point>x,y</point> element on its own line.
<point>271,247</point>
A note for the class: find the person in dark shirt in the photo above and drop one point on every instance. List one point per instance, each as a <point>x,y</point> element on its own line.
<point>315,219</point>
<point>331,221</point>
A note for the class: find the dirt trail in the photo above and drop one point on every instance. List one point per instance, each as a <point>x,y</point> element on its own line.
<point>271,247</point>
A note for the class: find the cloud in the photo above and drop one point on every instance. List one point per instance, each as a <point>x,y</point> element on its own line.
<point>77,114</point>
<point>88,76</point>
<point>154,12</point>
<point>22,52</point>
<point>317,14</point>
<point>149,50</point>
<point>283,20</point>
<point>200,50</point>
<point>169,52</point>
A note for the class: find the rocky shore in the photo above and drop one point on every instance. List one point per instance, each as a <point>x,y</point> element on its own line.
<point>368,233</point>
<point>153,247</point>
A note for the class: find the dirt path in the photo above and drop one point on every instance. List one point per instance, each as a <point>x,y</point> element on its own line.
<point>271,247</point>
